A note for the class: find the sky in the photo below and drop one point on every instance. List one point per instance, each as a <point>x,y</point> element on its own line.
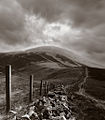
<point>76,25</point>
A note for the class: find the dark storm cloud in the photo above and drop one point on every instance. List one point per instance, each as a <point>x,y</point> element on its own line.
<point>88,13</point>
<point>49,9</point>
<point>86,16</point>
<point>83,13</point>
<point>11,21</point>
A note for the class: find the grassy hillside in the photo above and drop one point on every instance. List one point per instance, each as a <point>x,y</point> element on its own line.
<point>54,66</point>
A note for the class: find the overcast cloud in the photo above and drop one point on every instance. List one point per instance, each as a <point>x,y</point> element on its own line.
<point>77,25</point>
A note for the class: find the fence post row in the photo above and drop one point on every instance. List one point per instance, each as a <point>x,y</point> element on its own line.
<point>31,88</point>
<point>45,86</point>
<point>8,88</point>
<point>41,88</point>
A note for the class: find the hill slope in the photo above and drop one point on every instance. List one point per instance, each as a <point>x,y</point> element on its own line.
<point>45,57</point>
<point>57,66</point>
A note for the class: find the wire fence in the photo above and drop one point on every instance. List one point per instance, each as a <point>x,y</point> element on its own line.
<point>18,92</point>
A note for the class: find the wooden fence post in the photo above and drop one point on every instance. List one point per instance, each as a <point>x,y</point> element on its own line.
<point>31,89</point>
<point>8,88</point>
<point>45,88</point>
<point>41,88</point>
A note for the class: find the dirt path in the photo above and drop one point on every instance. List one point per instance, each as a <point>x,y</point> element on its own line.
<point>99,103</point>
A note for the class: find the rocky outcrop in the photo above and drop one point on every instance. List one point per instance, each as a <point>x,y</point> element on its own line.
<point>54,106</point>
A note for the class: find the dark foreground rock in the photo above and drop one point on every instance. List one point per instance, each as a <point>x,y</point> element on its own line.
<point>54,106</point>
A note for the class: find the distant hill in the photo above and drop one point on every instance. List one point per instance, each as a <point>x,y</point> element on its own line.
<point>45,59</point>
<point>44,63</point>
<point>43,56</point>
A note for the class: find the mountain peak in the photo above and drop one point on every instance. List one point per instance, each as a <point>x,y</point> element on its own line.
<point>53,51</point>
